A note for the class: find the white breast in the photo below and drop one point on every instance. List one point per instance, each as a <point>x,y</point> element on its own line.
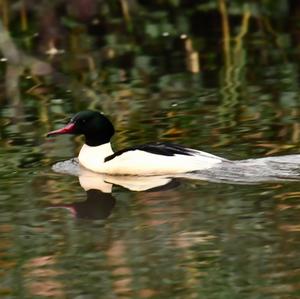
<point>92,157</point>
<point>137,162</point>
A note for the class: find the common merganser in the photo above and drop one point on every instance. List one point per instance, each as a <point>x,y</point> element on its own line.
<point>148,159</point>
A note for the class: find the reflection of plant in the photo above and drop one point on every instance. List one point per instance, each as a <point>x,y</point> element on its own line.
<point>125,30</point>
<point>145,24</point>
<point>130,55</point>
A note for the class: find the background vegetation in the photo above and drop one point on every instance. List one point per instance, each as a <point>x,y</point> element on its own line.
<point>156,58</point>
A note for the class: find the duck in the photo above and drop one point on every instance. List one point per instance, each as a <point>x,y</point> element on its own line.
<point>158,158</point>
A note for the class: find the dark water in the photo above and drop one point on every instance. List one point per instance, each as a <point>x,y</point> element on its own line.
<point>193,239</point>
<point>64,236</point>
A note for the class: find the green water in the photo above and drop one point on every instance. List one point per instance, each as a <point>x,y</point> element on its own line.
<point>195,239</point>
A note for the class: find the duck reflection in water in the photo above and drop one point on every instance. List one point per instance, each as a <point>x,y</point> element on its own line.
<point>99,201</point>
<point>97,206</point>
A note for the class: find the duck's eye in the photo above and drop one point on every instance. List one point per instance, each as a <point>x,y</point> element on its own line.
<point>82,121</point>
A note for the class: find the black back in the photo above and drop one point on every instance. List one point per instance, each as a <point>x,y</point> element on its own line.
<point>158,148</point>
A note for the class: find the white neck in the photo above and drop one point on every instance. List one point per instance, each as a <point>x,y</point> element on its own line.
<point>92,157</point>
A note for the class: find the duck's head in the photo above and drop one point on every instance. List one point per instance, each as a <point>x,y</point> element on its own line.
<point>96,128</point>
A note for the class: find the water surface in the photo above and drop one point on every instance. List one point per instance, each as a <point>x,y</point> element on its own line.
<point>229,234</point>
